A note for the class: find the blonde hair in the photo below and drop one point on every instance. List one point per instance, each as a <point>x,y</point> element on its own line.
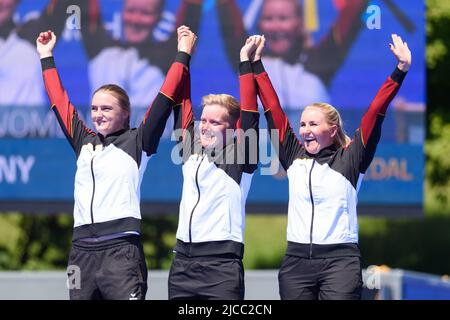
<point>333,118</point>
<point>228,102</point>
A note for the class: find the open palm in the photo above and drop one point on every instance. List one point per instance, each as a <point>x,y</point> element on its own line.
<point>401,51</point>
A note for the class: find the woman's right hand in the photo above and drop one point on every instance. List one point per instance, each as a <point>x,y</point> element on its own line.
<point>401,52</point>
<point>248,49</point>
<point>45,43</point>
<point>186,39</point>
<point>252,49</point>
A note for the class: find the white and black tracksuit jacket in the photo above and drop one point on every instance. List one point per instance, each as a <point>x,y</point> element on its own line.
<point>322,218</point>
<point>110,168</point>
<point>212,208</point>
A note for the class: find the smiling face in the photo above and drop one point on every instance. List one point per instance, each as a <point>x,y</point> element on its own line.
<point>315,130</point>
<point>214,122</point>
<point>140,18</point>
<point>107,114</point>
<point>281,24</point>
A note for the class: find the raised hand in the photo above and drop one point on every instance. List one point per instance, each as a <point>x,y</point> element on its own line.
<point>186,39</point>
<point>401,51</point>
<point>45,43</point>
<point>258,52</point>
<point>249,48</point>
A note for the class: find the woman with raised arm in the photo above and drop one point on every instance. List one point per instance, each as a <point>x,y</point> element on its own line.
<point>217,169</point>
<point>325,171</point>
<point>107,255</point>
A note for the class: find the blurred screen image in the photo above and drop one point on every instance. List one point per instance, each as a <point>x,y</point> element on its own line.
<point>317,51</point>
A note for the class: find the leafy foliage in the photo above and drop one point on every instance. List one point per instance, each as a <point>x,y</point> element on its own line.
<point>438,62</point>
<point>437,147</point>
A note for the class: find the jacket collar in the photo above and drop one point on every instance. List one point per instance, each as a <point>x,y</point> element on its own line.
<point>220,154</point>
<point>106,140</point>
<point>323,155</point>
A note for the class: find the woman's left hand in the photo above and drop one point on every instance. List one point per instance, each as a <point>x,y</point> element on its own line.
<point>402,53</point>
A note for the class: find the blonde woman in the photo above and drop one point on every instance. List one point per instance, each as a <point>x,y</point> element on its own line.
<point>217,173</point>
<point>111,161</point>
<point>325,171</point>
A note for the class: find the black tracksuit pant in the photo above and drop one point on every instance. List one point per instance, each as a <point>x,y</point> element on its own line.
<point>112,270</point>
<point>334,278</point>
<point>218,277</point>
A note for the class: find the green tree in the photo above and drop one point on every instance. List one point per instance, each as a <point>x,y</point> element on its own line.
<point>437,147</point>
<point>43,242</point>
<point>437,58</point>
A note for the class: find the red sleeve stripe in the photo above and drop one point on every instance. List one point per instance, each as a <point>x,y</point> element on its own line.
<point>171,87</point>
<point>59,98</point>
<point>248,92</point>
<point>271,102</point>
<point>186,103</point>
<point>187,113</point>
<point>378,106</point>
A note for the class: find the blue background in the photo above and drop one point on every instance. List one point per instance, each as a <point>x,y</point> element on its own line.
<point>368,64</point>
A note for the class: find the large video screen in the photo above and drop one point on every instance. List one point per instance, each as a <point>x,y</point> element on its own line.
<point>332,51</point>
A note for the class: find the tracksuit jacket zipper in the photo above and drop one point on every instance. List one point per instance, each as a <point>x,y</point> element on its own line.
<point>312,211</point>
<point>195,206</point>
<point>93,190</point>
